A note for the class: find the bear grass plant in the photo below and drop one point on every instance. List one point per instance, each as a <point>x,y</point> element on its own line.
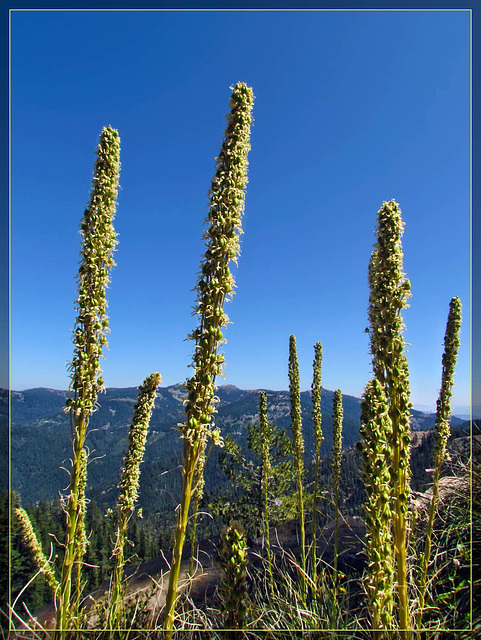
<point>389,291</point>
<point>98,244</point>
<point>316,390</point>
<point>266,433</point>
<point>129,483</point>
<point>232,560</point>
<point>215,284</point>
<point>441,435</point>
<point>298,451</point>
<point>336,472</point>
<point>281,601</point>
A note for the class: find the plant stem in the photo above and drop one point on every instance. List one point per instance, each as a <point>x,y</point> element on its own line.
<point>265,470</point>
<point>80,535</point>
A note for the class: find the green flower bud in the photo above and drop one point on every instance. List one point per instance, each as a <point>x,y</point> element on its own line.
<point>32,543</point>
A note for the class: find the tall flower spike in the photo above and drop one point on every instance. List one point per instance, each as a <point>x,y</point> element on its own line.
<point>96,261</point>
<point>232,560</point>
<point>317,420</point>
<point>98,244</point>
<point>80,534</point>
<point>297,446</point>
<point>376,435</point>
<point>31,541</point>
<point>129,482</point>
<point>129,485</point>
<point>389,291</point>
<point>441,433</point>
<point>215,284</point>
<point>316,389</point>
<point>336,469</point>
<point>450,357</point>
<point>266,474</point>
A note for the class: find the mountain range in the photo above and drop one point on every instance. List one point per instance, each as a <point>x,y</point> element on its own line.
<point>41,449</point>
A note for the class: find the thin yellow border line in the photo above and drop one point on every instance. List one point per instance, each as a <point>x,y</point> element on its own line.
<point>9,269</point>
<point>9,318</point>
<point>244,10</point>
<point>471,310</point>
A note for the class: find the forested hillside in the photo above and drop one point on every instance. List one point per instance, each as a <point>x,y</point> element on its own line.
<point>40,438</point>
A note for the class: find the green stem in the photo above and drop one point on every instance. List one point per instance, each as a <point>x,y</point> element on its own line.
<point>266,467</point>
<point>182,518</point>
<point>114,616</point>
<point>197,491</point>
<point>64,611</point>
<point>314,519</point>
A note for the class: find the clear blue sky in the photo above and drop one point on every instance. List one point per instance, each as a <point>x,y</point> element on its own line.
<point>352,108</point>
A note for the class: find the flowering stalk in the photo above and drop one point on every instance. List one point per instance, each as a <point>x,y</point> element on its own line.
<point>336,470</point>
<point>232,560</point>
<point>31,541</point>
<point>317,419</point>
<point>265,439</point>
<point>198,491</point>
<point>297,446</point>
<point>376,433</point>
<point>441,432</point>
<point>80,534</point>
<point>98,244</point>
<point>129,484</point>
<point>214,285</point>
<point>389,291</point>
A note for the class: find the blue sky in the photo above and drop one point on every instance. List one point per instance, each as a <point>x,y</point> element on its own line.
<point>352,108</point>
